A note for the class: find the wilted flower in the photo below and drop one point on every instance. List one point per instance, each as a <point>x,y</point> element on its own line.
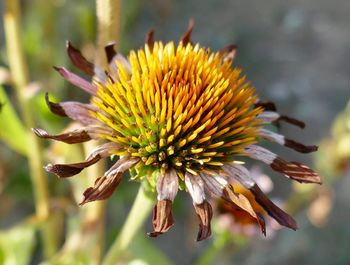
<point>180,117</point>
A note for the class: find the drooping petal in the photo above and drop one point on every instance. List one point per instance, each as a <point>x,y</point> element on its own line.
<point>195,187</point>
<point>186,37</point>
<point>104,186</point>
<point>243,203</point>
<point>167,187</point>
<point>242,175</point>
<point>293,170</point>
<point>273,210</point>
<point>75,110</point>
<point>68,170</point>
<point>77,80</point>
<point>214,183</point>
<point>204,212</point>
<point>280,139</point>
<point>79,60</point>
<point>162,217</point>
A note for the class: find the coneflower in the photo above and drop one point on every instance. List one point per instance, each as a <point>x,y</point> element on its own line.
<point>180,117</point>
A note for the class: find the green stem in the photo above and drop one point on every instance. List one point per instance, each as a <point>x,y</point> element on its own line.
<point>19,73</point>
<point>140,210</point>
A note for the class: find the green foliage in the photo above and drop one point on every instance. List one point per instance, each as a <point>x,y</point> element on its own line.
<point>16,245</point>
<point>12,131</point>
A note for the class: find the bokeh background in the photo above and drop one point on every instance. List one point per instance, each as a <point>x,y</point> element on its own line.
<point>296,53</point>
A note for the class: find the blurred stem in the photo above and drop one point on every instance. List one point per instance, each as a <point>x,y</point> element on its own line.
<point>19,73</point>
<point>140,210</point>
<point>108,18</point>
<point>208,256</point>
<point>95,211</point>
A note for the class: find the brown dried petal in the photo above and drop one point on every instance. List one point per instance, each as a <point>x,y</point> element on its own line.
<point>77,80</point>
<point>296,171</point>
<point>275,212</point>
<point>293,121</point>
<point>110,52</point>
<point>229,52</point>
<point>150,39</point>
<point>300,147</point>
<point>243,203</point>
<point>105,186</point>
<point>79,60</point>
<point>162,218</point>
<point>69,170</point>
<point>73,137</point>
<point>204,213</point>
<point>186,37</point>
<point>75,110</point>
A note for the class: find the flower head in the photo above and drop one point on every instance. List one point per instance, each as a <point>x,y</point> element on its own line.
<point>179,116</point>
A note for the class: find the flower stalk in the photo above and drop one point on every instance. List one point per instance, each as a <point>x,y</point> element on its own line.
<point>19,72</point>
<point>139,212</point>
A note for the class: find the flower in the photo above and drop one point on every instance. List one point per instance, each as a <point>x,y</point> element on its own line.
<point>180,117</point>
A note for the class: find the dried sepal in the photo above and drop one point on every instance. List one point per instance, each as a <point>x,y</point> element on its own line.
<point>162,218</point>
<point>204,212</point>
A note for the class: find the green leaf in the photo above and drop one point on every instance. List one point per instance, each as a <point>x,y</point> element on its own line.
<point>12,131</point>
<point>16,245</point>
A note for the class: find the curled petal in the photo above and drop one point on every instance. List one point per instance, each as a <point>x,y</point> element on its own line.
<point>68,170</point>
<point>243,203</point>
<point>167,185</point>
<point>293,170</point>
<point>275,212</point>
<point>229,52</point>
<point>162,218</point>
<point>75,110</point>
<point>79,60</point>
<point>104,186</point>
<point>204,212</point>
<point>280,139</point>
<point>186,37</point>
<point>73,137</point>
<point>77,80</point>
<point>195,187</point>
<point>150,39</point>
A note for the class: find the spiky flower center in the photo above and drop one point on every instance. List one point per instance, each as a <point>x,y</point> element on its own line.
<point>178,107</point>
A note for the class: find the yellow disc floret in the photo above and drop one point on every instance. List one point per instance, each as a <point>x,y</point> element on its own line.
<point>180,107</point>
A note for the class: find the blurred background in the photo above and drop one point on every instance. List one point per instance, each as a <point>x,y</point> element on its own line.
<point>296,53</point>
